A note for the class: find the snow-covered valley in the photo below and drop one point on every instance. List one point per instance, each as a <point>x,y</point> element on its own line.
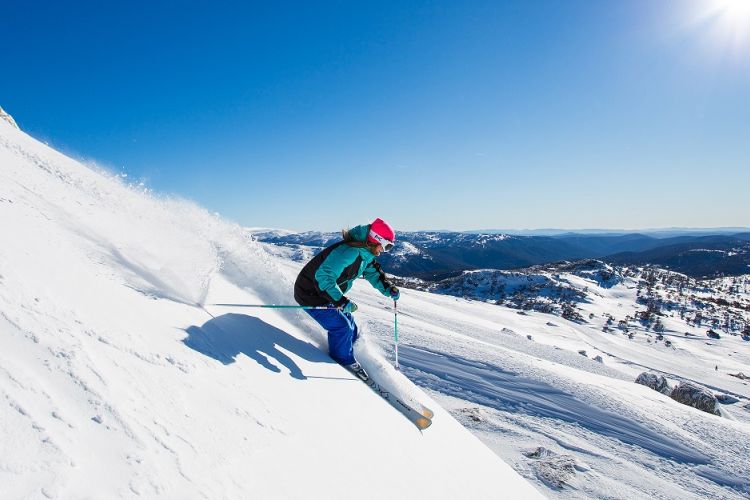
<point>120,377</point>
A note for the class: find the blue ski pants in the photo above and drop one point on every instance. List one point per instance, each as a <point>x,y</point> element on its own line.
<point>342,333</point>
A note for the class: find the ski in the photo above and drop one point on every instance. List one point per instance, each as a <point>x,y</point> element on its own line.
<point>417,418</point>
<point>422,419</point>
<point>425,411</point>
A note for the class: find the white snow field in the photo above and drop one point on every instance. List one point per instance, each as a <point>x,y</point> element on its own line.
<point>120,378</point>
<point>118,381</point>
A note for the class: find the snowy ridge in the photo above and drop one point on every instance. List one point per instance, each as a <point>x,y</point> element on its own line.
<point>542,288</point>
<point>118,378</point>
<point>5,116</point>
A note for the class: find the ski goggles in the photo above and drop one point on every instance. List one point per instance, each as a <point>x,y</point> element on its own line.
<point>385,243</point>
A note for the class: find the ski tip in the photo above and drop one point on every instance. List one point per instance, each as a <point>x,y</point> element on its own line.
<point>426,412</point>
<point>422,423</point>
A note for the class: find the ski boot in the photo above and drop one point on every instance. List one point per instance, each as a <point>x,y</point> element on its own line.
<point>358,371</point>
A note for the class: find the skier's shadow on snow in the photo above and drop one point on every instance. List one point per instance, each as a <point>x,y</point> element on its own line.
<point>225,337</point>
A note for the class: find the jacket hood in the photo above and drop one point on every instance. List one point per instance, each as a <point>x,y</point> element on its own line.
<point>357,233</point>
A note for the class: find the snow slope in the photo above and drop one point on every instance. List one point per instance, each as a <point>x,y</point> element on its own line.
<point>118,379</point>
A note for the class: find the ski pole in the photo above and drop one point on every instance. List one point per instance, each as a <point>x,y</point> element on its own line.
<point>395,331</point>
<point>275,306</point>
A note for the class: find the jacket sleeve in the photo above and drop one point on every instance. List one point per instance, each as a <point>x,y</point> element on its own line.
<point>376,277</point>
<point>331,268</point>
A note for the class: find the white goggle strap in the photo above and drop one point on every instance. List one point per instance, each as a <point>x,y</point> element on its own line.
<point>387,244</point>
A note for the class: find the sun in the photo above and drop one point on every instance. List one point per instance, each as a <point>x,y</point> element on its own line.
<point>735,13</point>
<point>729,21</point>
<point>736,8</point>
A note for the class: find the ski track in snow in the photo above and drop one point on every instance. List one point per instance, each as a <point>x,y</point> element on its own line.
<point>491,386</point>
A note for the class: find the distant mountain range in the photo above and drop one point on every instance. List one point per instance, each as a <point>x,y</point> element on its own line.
<point>666,232</point>
<point>434,255</point>
<point>706,256</point>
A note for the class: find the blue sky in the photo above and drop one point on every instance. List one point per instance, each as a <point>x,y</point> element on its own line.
<point>447,115</point>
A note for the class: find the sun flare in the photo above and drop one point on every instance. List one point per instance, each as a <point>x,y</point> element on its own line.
<point>730,21</point>
<point>734,12</point>
<point>735,8</point>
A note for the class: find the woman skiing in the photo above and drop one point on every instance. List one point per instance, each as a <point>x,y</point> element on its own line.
<point>330,274</point>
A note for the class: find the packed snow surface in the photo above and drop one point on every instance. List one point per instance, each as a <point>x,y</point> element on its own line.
<point>119,379</point>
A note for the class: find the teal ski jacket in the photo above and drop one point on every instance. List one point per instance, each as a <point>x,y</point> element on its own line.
<point>331,273</point>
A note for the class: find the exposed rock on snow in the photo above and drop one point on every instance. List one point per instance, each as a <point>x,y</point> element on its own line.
<point>603,274</point>
<point>533,289</point>
<point>5,116</point>
<point>654,381</point>
<point>696,396</point>
<point>726,399</point>
<point>475,414</point>
<point>553,469</point>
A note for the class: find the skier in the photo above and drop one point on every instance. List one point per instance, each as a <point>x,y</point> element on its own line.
<point>330,274</point>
